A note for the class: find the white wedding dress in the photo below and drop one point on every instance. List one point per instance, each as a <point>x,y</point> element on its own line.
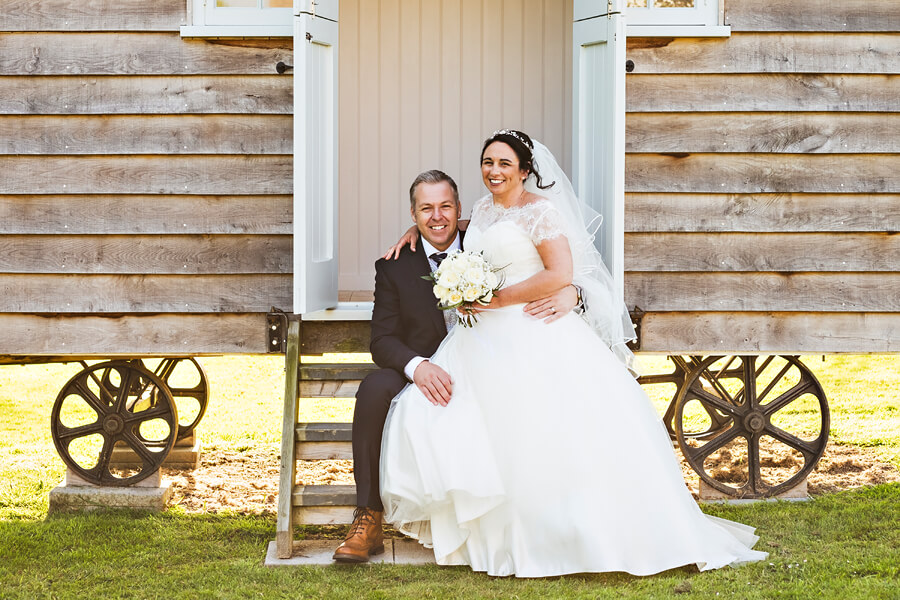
<point>549,458</point>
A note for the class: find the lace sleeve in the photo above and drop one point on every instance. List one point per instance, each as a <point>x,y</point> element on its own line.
<point>547,224</point>
<point>478,209</point>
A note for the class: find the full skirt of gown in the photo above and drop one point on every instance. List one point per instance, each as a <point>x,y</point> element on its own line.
<point>549,459</point>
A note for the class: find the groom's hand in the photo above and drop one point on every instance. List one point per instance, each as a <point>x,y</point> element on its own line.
<point>434,382</point>
<point>554,306</point>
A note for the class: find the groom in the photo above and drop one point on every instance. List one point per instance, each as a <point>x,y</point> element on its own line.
<point>407,327</point>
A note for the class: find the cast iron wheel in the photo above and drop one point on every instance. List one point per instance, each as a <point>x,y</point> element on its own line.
<point>683,366</point>
<point>189,386</point>
<point>110,403</point>
<point>755,456</point>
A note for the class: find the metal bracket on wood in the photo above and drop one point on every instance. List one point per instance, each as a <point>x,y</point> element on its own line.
<point>276,331</point>
<point>636,316</point>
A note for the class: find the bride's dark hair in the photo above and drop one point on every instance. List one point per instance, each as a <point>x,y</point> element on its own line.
<point>522,145</point>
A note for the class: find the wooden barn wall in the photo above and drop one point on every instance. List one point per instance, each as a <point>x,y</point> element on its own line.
<point>423,83</point>
<point>763,181</point>
<point>145,182</point>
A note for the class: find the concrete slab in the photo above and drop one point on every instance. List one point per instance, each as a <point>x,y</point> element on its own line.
<point>78,498</point>
<point>710,495</point>
<point>319,552</point>
<point>411,552</point>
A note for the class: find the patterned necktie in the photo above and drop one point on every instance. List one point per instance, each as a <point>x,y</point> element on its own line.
<point>438,258</point>
<point>450,317</point>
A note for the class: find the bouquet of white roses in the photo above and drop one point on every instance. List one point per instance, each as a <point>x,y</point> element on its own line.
<point>464,278</point>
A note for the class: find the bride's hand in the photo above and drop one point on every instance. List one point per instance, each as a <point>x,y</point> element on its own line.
<point>476,307</point>
<point>410,237</point>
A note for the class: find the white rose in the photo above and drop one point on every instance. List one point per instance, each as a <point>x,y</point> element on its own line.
<point>448,279</point>
<point>474,275</point>
<point>471,293</point>
<point>454,298</point>
<point>486,299</point>
<point>491,280</point>
<point>441,293</point>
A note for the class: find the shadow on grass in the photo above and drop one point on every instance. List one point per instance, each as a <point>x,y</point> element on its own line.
<point>841,545</point>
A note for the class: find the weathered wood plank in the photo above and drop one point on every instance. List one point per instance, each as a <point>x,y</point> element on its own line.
<point>147,214</point>
<point>324,451</point>
<point>804,292</point>
<point>196,174</point>
<point>754,173</point>
<point>324,515</point>
<point>324,495</point>
<point>93,15</point>
<point>762,212</point>
<point>853,252</point>
<point>143,294</point>
<point>131,335</point>
<point>127,94</point>
<point>319,337</point>
<point>763,132</point>
<point>284,530</point>
<point>773,332</point>
<point>138,53</point>
<point>770,53</point>
<point>762,92</point>
<point>146,134</point>
<point>145,254</point>
<point>815,15</point>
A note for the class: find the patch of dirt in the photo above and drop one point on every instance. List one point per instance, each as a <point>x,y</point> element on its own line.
<point>840,468</point>
<point>247,482</point>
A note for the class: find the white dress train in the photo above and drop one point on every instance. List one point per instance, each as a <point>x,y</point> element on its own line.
<point>549,459</point>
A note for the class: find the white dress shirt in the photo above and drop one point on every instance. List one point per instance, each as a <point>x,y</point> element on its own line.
<point>410,368</point>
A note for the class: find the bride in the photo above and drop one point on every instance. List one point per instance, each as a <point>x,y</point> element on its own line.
<point>549,458</point>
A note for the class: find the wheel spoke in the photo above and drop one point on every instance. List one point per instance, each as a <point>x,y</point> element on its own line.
<point>705,397</point>
<point>774,382</point>
<point>66,434</point>
<point>754,477</point>
<point>196,393</point>
<point>714,382</point>
<point>124,389</point>
<point>787,397</point>
<point>100,407</point>
<point>807,449</point>
<point>714,444</point>
<point>148,457</point>
<point>161,410</point>
<point>102,467</point>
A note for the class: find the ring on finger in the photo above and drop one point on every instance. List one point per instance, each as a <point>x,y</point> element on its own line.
<point>553,309</point>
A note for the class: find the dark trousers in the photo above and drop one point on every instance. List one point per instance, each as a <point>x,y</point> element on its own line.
<point>373,399</point>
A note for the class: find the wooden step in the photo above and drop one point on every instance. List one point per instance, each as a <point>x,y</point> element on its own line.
<point>333,380</point>
<point>324,441</point>
<point>324,504</point>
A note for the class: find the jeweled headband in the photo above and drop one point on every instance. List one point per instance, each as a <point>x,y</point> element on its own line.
<point>514,134</point>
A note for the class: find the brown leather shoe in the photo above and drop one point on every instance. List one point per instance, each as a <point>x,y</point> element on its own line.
<point>365,538</point>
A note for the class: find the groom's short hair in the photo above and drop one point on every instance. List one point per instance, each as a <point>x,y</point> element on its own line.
<point>432,176</point>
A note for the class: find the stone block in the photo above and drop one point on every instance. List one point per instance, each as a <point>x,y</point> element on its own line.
<point>708,493</point>
<point>184,455</point>
<point>77,495</point>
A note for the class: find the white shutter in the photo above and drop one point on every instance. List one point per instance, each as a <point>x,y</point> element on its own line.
<point>598,122</point>
<point>315,155</point>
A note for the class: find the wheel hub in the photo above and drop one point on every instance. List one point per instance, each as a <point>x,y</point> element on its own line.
<point>113,424</point>
<point>755,421</point>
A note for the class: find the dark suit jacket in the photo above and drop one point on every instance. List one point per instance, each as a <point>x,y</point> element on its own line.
<point>406,321</point>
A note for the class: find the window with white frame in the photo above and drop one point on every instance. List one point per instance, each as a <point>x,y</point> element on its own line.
<point>668,18</point>
<point>239,18</point>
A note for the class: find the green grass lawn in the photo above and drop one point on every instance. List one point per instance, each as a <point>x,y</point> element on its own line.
<point>836,546</point>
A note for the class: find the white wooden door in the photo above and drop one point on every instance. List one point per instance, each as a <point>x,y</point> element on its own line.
<point>315,155</point>
<point>598,122</point>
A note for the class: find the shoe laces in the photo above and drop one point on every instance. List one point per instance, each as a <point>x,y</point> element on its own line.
<point>362,518</point>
